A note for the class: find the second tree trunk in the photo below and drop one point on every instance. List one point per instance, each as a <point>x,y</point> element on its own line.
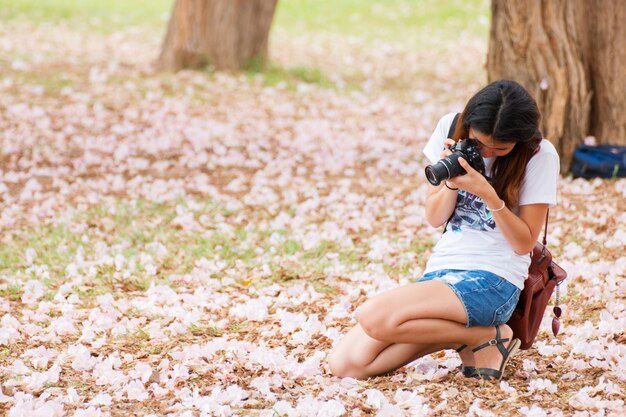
<point>226,34</point>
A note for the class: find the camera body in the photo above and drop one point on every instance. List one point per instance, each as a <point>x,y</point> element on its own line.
<point>449,166</point>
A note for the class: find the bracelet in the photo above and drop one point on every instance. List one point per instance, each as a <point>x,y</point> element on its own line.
<point>448,187</point>
<point>501,208</point>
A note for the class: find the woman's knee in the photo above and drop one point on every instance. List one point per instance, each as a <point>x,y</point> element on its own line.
<point>376,320</point>
<point>338,366</point>
<point>342,367</point>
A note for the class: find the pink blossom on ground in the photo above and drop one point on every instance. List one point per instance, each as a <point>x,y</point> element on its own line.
<point>216,235</point>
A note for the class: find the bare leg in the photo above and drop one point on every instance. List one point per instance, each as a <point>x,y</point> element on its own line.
<point>360,356</point>
<point>427,312</point>
<point>404,324</point>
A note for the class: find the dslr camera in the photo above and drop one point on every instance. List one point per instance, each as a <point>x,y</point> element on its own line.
<point>449,166</point>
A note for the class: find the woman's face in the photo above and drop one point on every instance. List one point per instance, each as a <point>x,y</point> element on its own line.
<point>488,147</point>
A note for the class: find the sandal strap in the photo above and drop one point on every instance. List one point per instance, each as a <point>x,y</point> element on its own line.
<point>468,371</point>
<point>460,348</point>
<point>486,373</point>
<point>489,373</point>
<point>495,342</point>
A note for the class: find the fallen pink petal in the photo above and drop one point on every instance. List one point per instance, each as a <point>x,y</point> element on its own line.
<point>195,242</point>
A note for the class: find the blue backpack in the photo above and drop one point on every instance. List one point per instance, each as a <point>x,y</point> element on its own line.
<point>602,161</point>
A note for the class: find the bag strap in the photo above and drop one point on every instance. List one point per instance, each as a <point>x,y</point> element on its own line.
<point>545,229</point>
<point>556,310</point>
<point>453,125</point>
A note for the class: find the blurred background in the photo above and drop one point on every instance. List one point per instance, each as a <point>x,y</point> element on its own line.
<point>416,50</point>
<point>169,205</point>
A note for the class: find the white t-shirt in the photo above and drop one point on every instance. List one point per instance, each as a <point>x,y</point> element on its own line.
<point>472,241</point>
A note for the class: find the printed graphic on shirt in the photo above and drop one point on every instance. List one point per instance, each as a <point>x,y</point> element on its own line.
<point>471,212</point>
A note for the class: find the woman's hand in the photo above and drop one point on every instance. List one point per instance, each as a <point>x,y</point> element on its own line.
<point>446,151</point>
<point>473,182</point>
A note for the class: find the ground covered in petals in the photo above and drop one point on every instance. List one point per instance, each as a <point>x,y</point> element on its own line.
<point>193,244</point>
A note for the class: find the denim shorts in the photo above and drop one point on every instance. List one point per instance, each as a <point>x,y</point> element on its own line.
<point>488,299</point>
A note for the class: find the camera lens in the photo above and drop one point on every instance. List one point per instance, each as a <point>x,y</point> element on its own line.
<point>437,173</point>
<point>445,169</point>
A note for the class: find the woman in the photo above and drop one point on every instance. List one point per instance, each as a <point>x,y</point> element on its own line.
<point>477,269</point>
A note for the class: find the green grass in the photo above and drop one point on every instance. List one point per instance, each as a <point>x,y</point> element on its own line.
<point>12,292</point>
<point>389,20</point>
<point>55,246</point>
<point>100,14</point>
<point>273,75</point>
<point>410,23</point>
<point>126,227</point>
<point>5,353</point>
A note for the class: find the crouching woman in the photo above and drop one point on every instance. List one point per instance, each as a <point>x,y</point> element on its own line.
<point>477,269</point>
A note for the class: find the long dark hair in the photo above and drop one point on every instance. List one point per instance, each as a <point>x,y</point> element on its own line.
<point>505,111</point>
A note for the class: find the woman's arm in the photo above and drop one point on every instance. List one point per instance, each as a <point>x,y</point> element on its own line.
<point>440,200</point>
<point>520,231</point>
<point>440,203</point>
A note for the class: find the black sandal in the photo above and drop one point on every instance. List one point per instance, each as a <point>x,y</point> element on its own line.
<point>467,371</point>
<point>488,373</point>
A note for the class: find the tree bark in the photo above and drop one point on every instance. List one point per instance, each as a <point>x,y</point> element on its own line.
<point>604,54</point>
<point>226,34</point>
<point>536,43</point>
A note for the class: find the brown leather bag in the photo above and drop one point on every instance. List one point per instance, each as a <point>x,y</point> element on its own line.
<point>544,275</point>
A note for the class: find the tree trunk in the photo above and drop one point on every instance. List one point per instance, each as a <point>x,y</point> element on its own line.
<point>226,34</point>
<point>605,62</point>
<point>534,43</point>
<point>570,55</point>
